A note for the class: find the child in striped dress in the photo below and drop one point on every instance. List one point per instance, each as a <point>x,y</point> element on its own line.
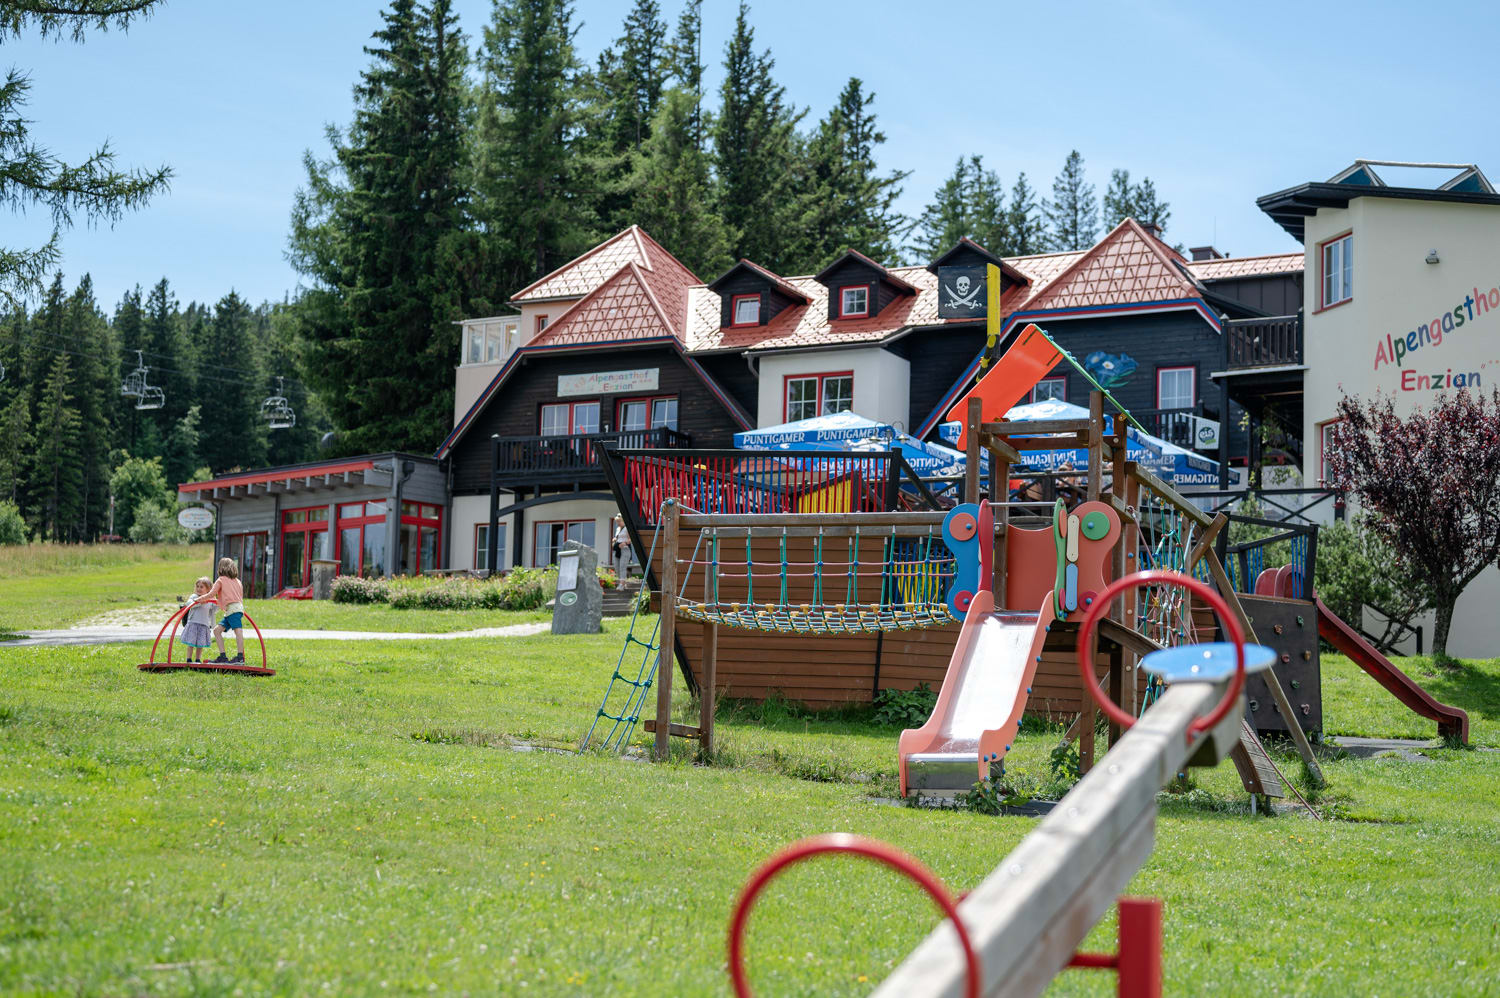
<point>196,624</point>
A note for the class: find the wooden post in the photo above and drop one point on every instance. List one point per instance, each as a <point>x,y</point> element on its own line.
<point>1116,687</point>
<point>706,687</point>
<point>1000,479</point>
<point>1130,551</point>
<point>972,451</point>
<point>1089,713</point>
<point>666,633</point>
<point>1096,445</point>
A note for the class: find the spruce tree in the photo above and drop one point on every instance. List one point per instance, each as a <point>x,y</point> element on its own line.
<point>129,327</point>
<point>56,476</point>
<point>686,58</point>
<point>1023,218</point>
<point>1122,200</point>
<point>166,347</point>
<point>530,185</point>
<point>846,204</point>
<point>1119,199</point>
<point>95,387</point>
<point>1148,208</point>
<point>1072,213</point>
<point>15,447</point>
<point>91,190</point>
<point>970,203</point>
<point>231,435</point>
<point>381,233</point>
<point>625,93</point>
<point>673,192</point>
<point>753,148</point>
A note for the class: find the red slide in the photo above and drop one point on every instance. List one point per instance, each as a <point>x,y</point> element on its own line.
<point>1451,721</point>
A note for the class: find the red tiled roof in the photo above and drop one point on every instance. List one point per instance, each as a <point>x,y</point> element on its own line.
<point>1127,266</point>
<point>1247,266</point>
<point>580,276</point>
<point>624,307</point>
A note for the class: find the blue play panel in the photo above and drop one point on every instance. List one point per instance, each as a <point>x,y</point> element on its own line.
<point>1205,663</point>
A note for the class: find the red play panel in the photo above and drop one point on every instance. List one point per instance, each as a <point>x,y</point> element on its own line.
<point>1026,362</point>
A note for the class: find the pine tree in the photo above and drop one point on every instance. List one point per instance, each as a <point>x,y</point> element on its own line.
<point>55,474</point>
<point>970,203</point>
<point>232,435</point>
<point>847,205</point>
<point>15,447</point>
<point>624,95</point>
<point>753,147</point>
<point>31,177</point>
<point>1124,200</point>
<point>686,59</point>
<point>182,447</point>
<point>167,352</point>
<point>382,233</point>
<point>529,185</point>
<point>95,386</point>
<point>1023,218</point>
<point>1072,214</point>
<point>129,326</point>
<point>673,199</point>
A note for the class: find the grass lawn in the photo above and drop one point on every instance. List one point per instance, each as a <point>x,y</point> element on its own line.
<point>357,824</point>
<point>324,615</point>
<point>99,578</point>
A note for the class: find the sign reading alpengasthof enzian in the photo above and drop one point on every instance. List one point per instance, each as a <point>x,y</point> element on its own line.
<point>1408,351</point>
<point>644,379</point>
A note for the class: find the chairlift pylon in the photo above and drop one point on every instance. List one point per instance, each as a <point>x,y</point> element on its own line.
<point>277,411</point>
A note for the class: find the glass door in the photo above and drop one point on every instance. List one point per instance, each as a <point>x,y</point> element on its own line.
<point>293,559</point>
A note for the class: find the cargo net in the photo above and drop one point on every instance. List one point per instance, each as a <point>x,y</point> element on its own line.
<point>836,592</point>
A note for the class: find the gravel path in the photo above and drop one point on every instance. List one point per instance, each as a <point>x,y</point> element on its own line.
<point>115,634</point>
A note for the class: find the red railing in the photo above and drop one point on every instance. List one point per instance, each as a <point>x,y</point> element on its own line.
<point>751,482</point>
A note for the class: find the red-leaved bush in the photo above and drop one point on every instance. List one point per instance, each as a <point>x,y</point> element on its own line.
<point>1431,484</point>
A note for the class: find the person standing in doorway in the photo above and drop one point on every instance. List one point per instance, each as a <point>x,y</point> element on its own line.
<point>619,547</point>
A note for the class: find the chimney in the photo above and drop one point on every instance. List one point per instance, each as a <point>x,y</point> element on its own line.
<point>1151,227</point>
<point>1205,253</point>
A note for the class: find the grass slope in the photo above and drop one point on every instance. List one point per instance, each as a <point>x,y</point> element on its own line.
<point>357,825</point>
<point>57,585</point>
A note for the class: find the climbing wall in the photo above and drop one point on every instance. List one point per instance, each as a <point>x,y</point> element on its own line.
<point>1290,627</point>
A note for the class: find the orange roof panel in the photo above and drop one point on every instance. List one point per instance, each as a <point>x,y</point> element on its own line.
<point>1247,266</point>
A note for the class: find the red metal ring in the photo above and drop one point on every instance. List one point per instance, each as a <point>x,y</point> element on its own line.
<point>859,846</point>
<point>1100,606</point>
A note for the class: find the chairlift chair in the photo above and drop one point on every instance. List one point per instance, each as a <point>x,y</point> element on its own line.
<point>134,385</point>
<point>151,397</point>
<point>277,411</point>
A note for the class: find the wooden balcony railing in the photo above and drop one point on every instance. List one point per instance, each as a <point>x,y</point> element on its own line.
<point>570,458</point>
<point>1274,341</point>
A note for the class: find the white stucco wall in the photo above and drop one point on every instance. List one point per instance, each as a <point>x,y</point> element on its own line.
<point>467,512</point>
<point>882,382</point>
<point>1351,348</point>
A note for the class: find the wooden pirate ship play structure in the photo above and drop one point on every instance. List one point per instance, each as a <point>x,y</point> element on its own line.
<point>828,577</point>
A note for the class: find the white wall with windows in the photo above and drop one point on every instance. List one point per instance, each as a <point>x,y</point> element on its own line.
<point>872,382</point>
<point>484,347</point>
<point>471,518</point>
<point>1385,321</point>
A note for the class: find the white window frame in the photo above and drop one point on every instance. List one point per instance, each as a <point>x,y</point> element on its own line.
<point>1336,260</point>
<point>1192,373</point>
<point>1060,380</point>
<point>482,546</point>
<point>734,310</point>
<point>825,401</point>
<point>845,312</point>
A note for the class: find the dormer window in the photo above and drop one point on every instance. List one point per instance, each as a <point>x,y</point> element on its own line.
<point>854,301</point>
<point>746,310</point>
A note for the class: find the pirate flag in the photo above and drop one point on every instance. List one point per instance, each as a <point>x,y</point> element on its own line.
<point>961,292</point>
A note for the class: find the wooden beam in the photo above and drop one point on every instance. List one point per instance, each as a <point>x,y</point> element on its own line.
<point>1028,917</point>
<point>1205,541</point>
<point>1095,482</point>
<point>1037,426</point>
<point>996,444</point>
<point>1166,491</point>
<point>710,676</point>
<point>674,729</point>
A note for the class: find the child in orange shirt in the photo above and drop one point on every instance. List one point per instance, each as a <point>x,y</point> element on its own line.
<point>231,596</point>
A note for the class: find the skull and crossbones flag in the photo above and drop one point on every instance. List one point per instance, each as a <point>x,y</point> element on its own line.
<point>961,292</point>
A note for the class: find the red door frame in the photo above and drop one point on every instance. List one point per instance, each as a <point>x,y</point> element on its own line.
<point>308,526</point>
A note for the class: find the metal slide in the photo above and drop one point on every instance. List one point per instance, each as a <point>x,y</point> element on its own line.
<point>1451,721</point>
<point>979,707</point>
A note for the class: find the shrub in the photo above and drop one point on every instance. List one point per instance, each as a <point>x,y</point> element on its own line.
<point>353,589</point>
<point>12,527</point>
<point>1356,568</point>
<point>156,523</point>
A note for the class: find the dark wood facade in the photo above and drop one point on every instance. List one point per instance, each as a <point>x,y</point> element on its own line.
<point>1271,294</point>
<point>515,409</point>
<point>853,271</point>
<point>744,279</point>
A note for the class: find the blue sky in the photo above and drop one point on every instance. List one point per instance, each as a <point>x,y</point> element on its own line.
<point>1217,103</point>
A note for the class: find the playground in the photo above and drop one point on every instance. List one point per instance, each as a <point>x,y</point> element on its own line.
<point>363,820</point>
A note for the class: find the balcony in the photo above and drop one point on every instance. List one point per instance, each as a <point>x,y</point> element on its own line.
<point>566,460</point>
<point>1270,342</point>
